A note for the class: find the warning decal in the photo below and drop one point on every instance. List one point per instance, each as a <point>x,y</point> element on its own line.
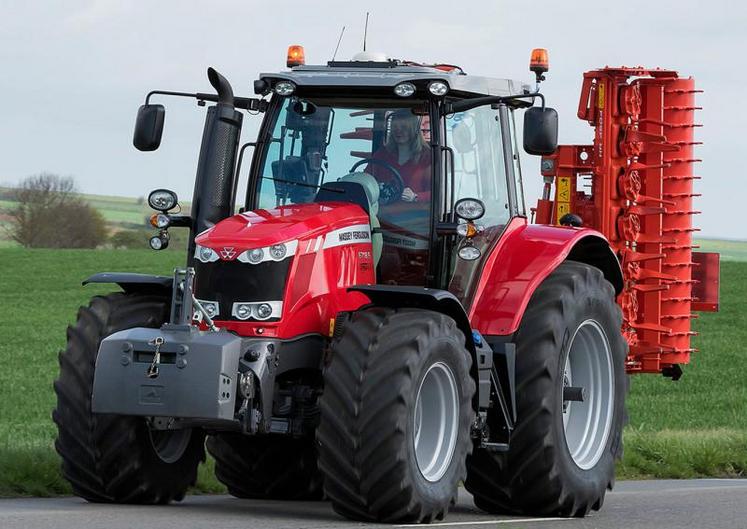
<point>563,197</point>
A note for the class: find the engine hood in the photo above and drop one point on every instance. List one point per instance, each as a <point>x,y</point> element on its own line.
<point>265,227</point>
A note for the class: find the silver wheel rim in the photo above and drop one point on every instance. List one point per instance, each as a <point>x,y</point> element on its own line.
<point>170,445</point>
<point>435,421</point>
<point>588,365</point>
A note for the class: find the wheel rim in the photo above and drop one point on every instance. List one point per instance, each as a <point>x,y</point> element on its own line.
<point>435,421</point>
<point>169,445</point>
<point>588,365</point>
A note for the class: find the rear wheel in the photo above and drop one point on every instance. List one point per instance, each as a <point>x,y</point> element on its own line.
<point>266,467</point>
<point>395,416</point>
<point>562,454</point>
<point>114,458</point>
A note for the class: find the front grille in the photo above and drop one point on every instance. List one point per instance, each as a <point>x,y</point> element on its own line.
<point>231,281</point>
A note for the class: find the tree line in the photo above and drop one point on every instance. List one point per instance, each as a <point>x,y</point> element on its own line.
<point>47,211</point>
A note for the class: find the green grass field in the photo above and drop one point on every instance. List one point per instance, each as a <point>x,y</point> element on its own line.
<point>694,427</point>
<point>729,250</point>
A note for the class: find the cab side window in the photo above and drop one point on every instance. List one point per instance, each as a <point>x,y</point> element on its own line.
<point>479,167</point>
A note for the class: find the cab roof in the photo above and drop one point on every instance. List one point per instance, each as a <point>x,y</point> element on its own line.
<point>361,74</point>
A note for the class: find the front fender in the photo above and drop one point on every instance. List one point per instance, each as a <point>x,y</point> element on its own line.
<point>522,259</point>
<point>419,297</point>
<point>131,282</point>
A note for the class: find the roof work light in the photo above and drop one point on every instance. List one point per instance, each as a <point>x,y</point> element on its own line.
<point>296,56</point>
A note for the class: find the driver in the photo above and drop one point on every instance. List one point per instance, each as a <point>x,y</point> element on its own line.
<point>407,151</point>
<point>405,223</point>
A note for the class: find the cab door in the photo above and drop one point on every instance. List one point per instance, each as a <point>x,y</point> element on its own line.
<point>480,142</point>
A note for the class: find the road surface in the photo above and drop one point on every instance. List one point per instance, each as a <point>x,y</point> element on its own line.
<point>702,504</point>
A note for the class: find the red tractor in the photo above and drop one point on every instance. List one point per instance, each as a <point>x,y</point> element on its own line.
<point>380,321</point>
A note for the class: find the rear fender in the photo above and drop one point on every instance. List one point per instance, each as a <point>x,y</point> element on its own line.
<point>522,259</point>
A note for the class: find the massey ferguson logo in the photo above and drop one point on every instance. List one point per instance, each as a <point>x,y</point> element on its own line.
<point>228,252</point>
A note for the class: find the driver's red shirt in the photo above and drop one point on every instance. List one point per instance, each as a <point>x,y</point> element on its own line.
<point>415,172</point>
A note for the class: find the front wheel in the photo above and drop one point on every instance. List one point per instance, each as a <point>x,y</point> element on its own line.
<point>570,394</point>
<point>395,416</point>
<point>115,458</point>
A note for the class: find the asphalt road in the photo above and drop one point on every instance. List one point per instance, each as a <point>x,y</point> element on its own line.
<point>701,504</point>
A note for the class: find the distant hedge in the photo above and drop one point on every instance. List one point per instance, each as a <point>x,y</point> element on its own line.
<point>48,212</point>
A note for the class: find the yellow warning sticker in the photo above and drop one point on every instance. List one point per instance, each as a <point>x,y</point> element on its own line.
<point>564,189</point>
<point>563,196</point>
<point>600,95</point>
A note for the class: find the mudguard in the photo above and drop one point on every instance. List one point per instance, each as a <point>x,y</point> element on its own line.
<point>130,282</point>
<point>426,298</point>
<point>523,257</point>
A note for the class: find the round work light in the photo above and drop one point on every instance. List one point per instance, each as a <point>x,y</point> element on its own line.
<point>285,88</point>
<point>162,199</point>
<point>405,89</point>
<point>438,88</point>
<point>469,208</point>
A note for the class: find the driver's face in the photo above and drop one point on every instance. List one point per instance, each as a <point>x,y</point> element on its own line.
<point>402,131</point>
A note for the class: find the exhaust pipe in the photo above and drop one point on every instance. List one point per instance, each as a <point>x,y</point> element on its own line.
<point>222,86</point>
<point>213,198</point>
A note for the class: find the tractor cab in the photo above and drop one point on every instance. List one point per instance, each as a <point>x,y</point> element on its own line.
<point>390,136</point>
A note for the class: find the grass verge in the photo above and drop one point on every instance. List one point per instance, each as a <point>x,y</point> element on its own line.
<point>684,454</point>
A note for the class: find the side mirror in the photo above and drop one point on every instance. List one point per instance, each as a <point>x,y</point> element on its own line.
<point>540,130</point>
<point>149,127</point>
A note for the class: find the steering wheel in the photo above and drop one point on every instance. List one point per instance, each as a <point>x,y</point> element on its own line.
<point>390,191</point>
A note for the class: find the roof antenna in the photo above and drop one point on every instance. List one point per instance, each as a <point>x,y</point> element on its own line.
<point>338,44</point>
<point>365,32</point>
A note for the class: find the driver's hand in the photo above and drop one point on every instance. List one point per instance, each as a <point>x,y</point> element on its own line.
<point>408,195</point>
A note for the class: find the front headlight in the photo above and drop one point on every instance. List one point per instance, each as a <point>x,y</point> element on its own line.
<point>276,252</point>
<point>205,254</point>
<point>255,256</point>
<point>263,310</point>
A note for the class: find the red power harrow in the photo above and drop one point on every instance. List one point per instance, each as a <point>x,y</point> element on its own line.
<point>640,171</point>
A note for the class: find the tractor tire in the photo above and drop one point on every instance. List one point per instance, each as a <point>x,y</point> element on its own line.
<point>561,458</point>
<point>266,467</point>
<point>115,458</point>
<point>394,375</point>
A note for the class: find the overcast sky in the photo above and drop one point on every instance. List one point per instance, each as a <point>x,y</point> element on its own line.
<point>75,71</point>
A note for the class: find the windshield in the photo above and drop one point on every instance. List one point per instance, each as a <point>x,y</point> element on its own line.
<point>315,142</point>
<point>383,145</point>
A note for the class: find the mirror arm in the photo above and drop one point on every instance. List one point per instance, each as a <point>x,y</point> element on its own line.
<point>245,103</point>
<point>446,228</point>
<point>179,221</point>
<point>468,104</point>
<point>166,93</point>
